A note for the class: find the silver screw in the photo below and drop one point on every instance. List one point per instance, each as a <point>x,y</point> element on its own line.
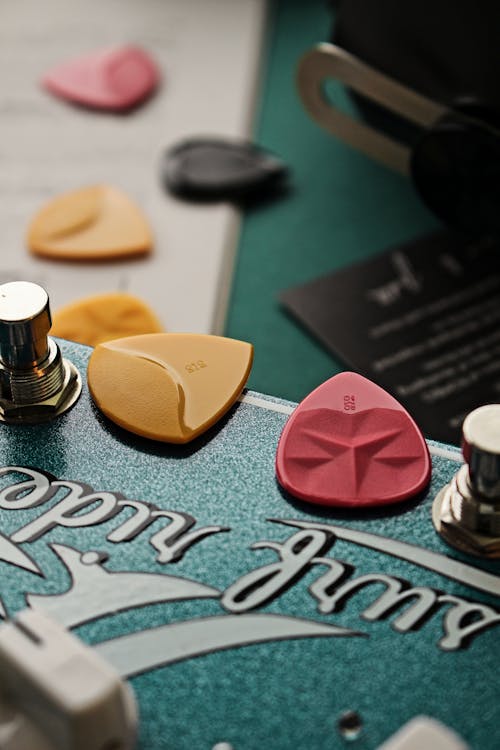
<point>36,383</point>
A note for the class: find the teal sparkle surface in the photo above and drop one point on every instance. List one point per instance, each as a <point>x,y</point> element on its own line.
<point>286,694</point>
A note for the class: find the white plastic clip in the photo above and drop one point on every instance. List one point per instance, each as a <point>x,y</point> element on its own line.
<point>424,732</point>
<point>57,694</point>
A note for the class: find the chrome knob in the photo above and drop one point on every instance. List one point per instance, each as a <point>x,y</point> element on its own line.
<point>481,449</point>
<point>467,511</point>
<point>36,383</point>
<point>24,324</point>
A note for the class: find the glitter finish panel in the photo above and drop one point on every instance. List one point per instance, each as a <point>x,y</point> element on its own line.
<point>241,614</point>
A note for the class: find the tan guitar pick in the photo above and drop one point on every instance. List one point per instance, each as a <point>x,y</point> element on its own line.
<point>94,223</point>
<point>168,386</point>
<point>103,317</point>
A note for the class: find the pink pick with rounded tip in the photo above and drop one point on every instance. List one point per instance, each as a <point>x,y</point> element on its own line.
<point>112,79</point>
<point>349,443</point>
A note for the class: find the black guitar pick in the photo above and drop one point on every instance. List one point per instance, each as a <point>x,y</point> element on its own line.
<point>218,168</point>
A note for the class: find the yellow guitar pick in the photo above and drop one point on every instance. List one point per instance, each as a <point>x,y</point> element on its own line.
<point>94,223</point>
<point>103,317</point>
<point>168,386</point>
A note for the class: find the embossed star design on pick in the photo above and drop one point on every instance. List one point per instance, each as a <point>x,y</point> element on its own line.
<point>168,386</point>
<point>350,443</point>
<point>94,223</point>
<point>110,79</point>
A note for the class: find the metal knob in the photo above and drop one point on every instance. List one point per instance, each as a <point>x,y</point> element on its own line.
<point>467,511</point>
<point>24,324</point>
<point>36,383</point>
<point>481,449</point>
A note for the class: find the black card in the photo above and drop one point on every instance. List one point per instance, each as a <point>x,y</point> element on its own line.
<point>421,320</point>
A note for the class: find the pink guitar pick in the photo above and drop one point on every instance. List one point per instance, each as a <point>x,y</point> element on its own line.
<point>349,443</point>
<point>112,79</point>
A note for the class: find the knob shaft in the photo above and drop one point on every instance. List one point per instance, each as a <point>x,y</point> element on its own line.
<point>36,383</point>
<point>24,324</point>
<point>481,449</point>
<point>467,511</point>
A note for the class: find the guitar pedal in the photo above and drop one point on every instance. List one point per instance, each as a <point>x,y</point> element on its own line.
<point>242,615</point>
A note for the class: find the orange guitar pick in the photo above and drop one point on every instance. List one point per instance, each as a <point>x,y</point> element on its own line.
<point>168,386</point>
<point>103,317</point>
<point>94,223</point>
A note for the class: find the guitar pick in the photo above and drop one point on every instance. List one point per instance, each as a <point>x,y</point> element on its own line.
<point>168,386</point>
<point>349,443</point>
<point>94,223</point>
<point>218,168</point>
<point>111,79</point>
<point>104,317</point>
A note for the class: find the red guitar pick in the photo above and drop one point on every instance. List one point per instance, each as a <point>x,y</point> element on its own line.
<point>349,443</point>
<point>112,79</point>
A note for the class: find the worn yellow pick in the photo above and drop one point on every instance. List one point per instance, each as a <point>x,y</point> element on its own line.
<point>168,386</point>
<point>94,223</point>
<point>103,317</point>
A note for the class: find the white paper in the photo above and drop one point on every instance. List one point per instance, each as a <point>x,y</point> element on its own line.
<point>209,55</point>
